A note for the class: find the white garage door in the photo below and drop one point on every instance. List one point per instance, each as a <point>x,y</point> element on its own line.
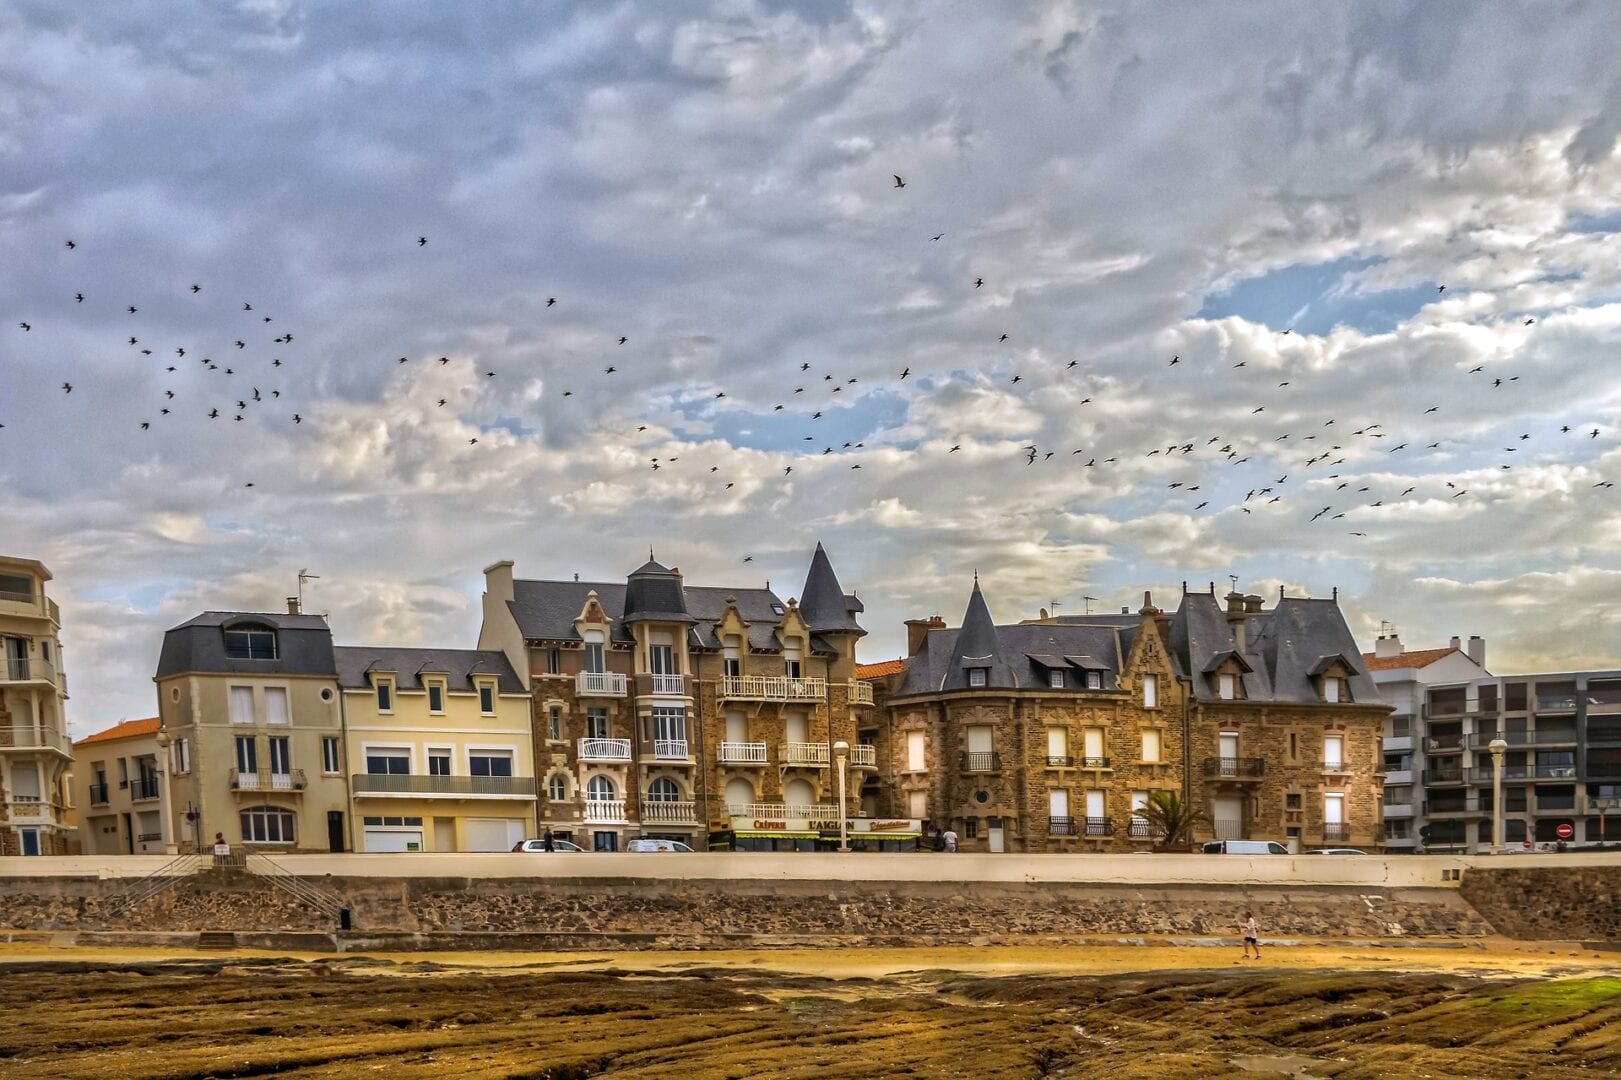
<point>393,839</point>
<point>493,834</point>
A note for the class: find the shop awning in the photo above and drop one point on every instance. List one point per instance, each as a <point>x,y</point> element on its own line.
<point>759,834</point>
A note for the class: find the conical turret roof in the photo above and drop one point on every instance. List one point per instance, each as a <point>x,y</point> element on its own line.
<point>823,603</point>
<point>977,646</point>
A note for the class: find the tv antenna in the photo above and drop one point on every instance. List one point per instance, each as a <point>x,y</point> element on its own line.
<point>1090,600</point>
<point>303,576</point>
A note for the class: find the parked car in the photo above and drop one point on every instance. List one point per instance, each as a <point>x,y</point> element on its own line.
<point>656,845</point>
<point>1337,851</point>
<point>540,845</point>
<point>1245,847</point>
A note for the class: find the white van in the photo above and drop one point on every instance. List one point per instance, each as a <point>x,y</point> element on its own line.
<point>1245,847</point>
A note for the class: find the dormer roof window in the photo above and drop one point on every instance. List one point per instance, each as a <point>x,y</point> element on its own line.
<point>250,641</point>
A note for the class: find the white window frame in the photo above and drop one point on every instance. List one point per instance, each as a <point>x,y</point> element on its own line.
<point>1094,680</point>
<point>179,757</point>
<point>430,687</point>
<point>1331,689</point>
<point>1227,686</point>
<point>1055,679</point>
<point>917,751</point>
<point>286,698</point>
<point>508,753</point>
<point>232,696</point>
<point>554,723</point>
<point>486,690</point>
<point>389,750</point>
<point>978,676</point>
<point>444,752</point>
<point>384,688</point>
<point>554,781</point>
<point>1337,761</point>
<point>331,755</point>
<point>1150,691</point>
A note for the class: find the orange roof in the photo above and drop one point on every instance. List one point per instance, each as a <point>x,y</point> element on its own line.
<point>1415,658</point>
<point>880,669</point>
<point>126,729</point>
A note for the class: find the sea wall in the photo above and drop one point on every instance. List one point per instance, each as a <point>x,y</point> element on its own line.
<point>1549,903</point>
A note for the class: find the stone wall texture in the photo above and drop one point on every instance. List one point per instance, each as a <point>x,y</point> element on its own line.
<point>1547,903</point>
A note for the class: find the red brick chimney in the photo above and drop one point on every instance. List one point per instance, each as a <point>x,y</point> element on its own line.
<point>917,632</point>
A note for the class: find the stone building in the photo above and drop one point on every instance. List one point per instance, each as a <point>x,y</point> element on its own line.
<point>1050,735</point>
<point>668,710</point>
<point>35,754</point>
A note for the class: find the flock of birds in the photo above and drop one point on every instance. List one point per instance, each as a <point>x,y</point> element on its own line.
<point>251,369</point>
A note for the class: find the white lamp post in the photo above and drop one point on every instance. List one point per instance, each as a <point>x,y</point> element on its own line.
<point>1497,746</point>
<point>841,751</point>
<point>165,826</point>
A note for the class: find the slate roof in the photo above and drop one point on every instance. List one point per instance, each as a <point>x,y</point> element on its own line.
<point>939,664</point>
<point>303,645</point>
<point>823,603</point>
<point>409,665</point>
<point>1283,647</point>
<point>124,729</point>
<point>546,610</point>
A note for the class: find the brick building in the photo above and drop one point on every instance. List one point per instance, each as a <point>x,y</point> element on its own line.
<point>1049,735</point>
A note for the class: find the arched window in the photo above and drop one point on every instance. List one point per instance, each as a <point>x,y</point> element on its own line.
<point>599,788</point>
<point>250,641</point>
<point>557,788</point>
<point>267,825</point>
<point>799,793</point>
<point>663,790</point>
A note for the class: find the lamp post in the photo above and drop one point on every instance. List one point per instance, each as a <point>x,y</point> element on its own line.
<point>1497,746</point>
<point>165,826</point>
<point>841,751</point>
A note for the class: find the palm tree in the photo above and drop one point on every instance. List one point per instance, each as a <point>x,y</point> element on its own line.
<point>1172,816</point>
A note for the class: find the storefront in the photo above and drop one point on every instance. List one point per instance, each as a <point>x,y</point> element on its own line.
<point>814,834</point>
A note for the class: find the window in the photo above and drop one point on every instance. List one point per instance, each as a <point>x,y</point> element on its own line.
<point>250,642</point>
<point>663,790</point>
<point>1094,680</point>
<point>594,660</point>
<point>267,825</point>
<point>247,754</point>
<point>599,789</point>
<point>1331,688</point>
<point>917,804</point>
<point>734,657</point>
<point>1139,800</point>
<point>914,752</point>
<point>1150,691</point>
<point>388,761</point>
<point>1333,752</point>
<point>1333,809</point>
<point>438,762</point>
<point>669,724</point>
<point>436,698</point>
<point>970,828</point>
<point>179,758</point>
<point>554,661</point>
<point>1151,744</point>
<point>1055,679</point>
<point>1227,687</point>
<point>45,649</point>
<point>241,704</point>
<point>281,755</point>
<point>1294,746</point>
<point>1057,746</point>
<point>596,723</point>
<point>604,841</point>
<point>554,723</point>
<point>978,676</point>
<point>385,696</point>
<point>661,657</point>
<point>486,699</point>
<point>329,755</point>
<point>489,762</point>
<point>557,789</point>
<point>276,705</point>
<point>790,659</point>
<point>17,587</point>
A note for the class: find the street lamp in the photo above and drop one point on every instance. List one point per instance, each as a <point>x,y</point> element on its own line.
<point>165,826</point>
<point>1497,746</point>
<point>841,751</point>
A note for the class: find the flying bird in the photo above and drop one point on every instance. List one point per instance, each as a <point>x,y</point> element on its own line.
<point>978,282</point>
<point>898,181</point>
<point>422,241</point>
<point>71,245</point>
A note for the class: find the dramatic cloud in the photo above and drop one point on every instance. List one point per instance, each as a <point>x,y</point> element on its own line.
<point>713,184</point>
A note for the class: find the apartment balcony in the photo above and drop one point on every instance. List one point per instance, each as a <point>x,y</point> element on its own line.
<point>1142,830</point>
<point>1060,761</point>
<point>861,693</point>
<point>1093,763</point>
<point>804,755</point>
<point>771,688</point>
<point>1454,808</point>
<point>27,671</point>
<point>1234,769</point>
<point>742,753</point>
<point>1608,736</point>
<point>1397,744</point>
<point>1399,809</point>
<point>1439,777</point>
<point>1482,774</point>
<point>1098,826</point>
<point>784,811</point>
<point>605,812</point>
<point>863,757</point>
<point>669,811</point>
<point>23,810</point>
<point>981,761</point>
<point>1228,829</point>
<point>603,749</point>
<point>663,686</point>
<point>1062,826</point>
<point>1336,834</point>
<point>390,785</point>
<point>35,737</point>
<point>1397,777</point>
<point>1482,740</point>
<point>673,750</point>
<point>601,684</point>
<point>1557,703</point>
<point>257,781</point>
<point>98,794</point>
<point>144,789</point>
<point>1444,744</point>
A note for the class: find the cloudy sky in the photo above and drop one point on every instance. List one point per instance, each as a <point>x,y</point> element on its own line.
<point>1272,195</point>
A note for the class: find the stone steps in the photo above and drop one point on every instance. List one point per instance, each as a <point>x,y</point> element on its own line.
<point>216,939</point>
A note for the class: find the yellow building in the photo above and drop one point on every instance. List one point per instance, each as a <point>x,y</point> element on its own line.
<point>440,745</point>
<point>35,755</point>
<point>119,786</point>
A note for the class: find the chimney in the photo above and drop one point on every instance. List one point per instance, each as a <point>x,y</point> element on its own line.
<point>1252,605</point>
<point>1477,649</point>
<point>917,632</point>
<point>292,605</point>
<point>1235,620</point>
<point>498,581</point>
<point>1387,645</point>
<point>1457,642</point>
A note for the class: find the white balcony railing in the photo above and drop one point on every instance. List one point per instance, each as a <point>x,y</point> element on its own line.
<point>861,693</point>
<point>32,735</point>
<point>604,749</point>
<point>600,684</point>
<point>667,684</point>
<point>864,757</point>
<point>676,810</point>
<point>670,749</point>
<point>605,811</point>
<point>742,753</point>
<point>779,811</point>
<point>771,688</point>
<point>264,781</point>
<point>804,753</point>
<point>23,669</point>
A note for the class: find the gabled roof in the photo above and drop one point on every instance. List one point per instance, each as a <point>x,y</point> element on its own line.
<point>1284,648</point>
<point>357,662</point>
<point>880,669</point>
<point>546,610</point>
<point>1416,658</point>
<point>124,729</point>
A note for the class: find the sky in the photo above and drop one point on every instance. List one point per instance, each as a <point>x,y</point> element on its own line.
<point>1327,216</point>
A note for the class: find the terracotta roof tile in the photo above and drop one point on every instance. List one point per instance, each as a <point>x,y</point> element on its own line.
<point>880,669</point>
<point>1415,658</point>
<point>123,730</point>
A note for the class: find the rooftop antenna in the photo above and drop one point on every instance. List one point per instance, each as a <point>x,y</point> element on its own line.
<point>1090,600</point>
<point>303,576</point>
<point>1054,604</point>
<point>1234,579</point>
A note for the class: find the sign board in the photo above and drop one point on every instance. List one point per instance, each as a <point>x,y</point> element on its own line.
<point>1565,831</point>
<point>857,827</point>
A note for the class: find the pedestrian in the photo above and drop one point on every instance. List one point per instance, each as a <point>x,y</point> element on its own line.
<point>950,837</point>
<point>547,843</point>
<point>1252,935</point>
<point>222,850</point>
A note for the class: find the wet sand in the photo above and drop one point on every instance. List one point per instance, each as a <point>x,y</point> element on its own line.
<point>1308,1011</point>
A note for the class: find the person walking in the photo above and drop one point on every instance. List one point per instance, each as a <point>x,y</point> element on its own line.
<point>547,843</point>
<point>1252,935</point>
<point>950,837</point>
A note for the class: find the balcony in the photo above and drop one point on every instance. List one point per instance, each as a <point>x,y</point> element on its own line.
<point>605,811</point>
<point>144,789</point>
<point>417,784</point>
<point>1060,761</point>
<point>1609,736</point>
<point>861,693</point>
<point>771,688</point>
<point>1482,774</point>
<point>1061,826</point>
<point>1142,830</point>
<point>600,684</point>
<point>1228,829</point>
<point>1093,763</point>
<point>1099,826</point>
<point>1455,807</point>
<point>256,781</point>
<point>1556,703</point>
<point>1398,777</point>
<point>98,794</point>
<point>1444,744</point>
<point>671,811</point>
<point>27,670</point>
<point>981,761</point>
<point>804,754</point>
<point>1435,777</point>
<point>25,811</point>
<point>671,750</point>
<point>1234,768</point>
<point>742,753</point>
<point>781,811</point>
<point>863,757</point>
<point>34,736</point>
<point>1482,740</point>
<point>1399,809</point>
<point>1336,834</point>
<point>663,685</point>
<point>1336,768</point>
<point>603,749</point>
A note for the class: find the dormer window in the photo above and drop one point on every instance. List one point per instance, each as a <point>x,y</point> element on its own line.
<point>978,676</point>
<point>250,641</point>
<point>385,695</point>
<point>1055,679</point>
<point>734,657</point>
<point>486,699</point>
<point>1334,688</point>
<point>790,660</point>
<point>1150,691</point>
<point>594,660</point>
<point>436,697</point>
<point>1094,680</point>
<point>1227,686</point>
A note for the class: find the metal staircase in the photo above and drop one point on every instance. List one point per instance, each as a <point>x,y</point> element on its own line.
<point>301,889</point>
<point>161,880</point>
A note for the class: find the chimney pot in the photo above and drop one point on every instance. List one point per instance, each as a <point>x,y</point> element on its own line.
<point>1387,645</point>
<point>292,605</point>
<point>917,632</point>
<point>1477,649</point>
<point>1252,604</point>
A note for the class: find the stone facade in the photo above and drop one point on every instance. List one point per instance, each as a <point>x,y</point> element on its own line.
<point>1579,903</point>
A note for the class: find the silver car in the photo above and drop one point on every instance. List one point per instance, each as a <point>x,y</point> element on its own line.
<point>540,845</point>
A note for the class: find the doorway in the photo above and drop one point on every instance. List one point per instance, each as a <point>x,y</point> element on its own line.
<point>334,830</point>
<point>30,841</point>
<point>444,834</point>
<point>129,835</point>
<point>993,836</point>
